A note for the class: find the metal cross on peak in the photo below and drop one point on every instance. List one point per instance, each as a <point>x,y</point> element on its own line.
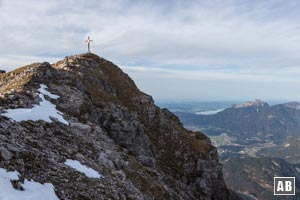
<point>88,41</point>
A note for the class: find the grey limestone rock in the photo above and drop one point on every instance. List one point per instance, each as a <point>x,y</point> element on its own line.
<point>142,151</point>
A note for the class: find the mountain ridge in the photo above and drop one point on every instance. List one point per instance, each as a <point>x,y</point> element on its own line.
<point>249,120</point>
<point>142,151</point>
<point>256,142</point>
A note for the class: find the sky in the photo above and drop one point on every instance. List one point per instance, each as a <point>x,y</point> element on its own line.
<point>173,49</point>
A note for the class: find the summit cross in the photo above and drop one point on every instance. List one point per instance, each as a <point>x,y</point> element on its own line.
<point>88,41</point>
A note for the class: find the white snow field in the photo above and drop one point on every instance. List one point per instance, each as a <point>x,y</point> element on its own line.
<point>89,172</point>
<point>32,190</point>
<point>43,111</point>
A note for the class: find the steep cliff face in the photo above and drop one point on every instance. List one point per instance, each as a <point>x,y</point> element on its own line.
<point>141,151</point>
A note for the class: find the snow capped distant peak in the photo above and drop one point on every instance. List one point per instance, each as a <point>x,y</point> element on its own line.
<point>256,102</point>
<point>44,111</point>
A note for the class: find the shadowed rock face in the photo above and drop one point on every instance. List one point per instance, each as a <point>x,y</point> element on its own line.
<point>142,151</point>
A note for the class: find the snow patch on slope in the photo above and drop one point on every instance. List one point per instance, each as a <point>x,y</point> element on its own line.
<point>43,111</point>
<point>32,190</point>
<point>43,90</point>
<point>89,172</point>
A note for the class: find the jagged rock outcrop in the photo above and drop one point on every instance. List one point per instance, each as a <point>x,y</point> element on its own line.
<point>142,151</point>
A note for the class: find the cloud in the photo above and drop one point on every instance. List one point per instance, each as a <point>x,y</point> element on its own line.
<point>249,40</point>
<point>172,33</point>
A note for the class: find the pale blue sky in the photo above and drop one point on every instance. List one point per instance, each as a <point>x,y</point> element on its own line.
<point>195,50</point>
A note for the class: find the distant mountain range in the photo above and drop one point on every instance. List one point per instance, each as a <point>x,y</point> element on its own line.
<point>194,106</point>
<point>256,142</point>
<point>253,120</point>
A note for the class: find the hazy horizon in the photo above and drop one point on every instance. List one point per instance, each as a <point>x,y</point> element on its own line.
<point>230,102</point>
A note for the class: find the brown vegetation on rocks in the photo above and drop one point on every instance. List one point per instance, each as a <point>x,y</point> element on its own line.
<point>142,151</point>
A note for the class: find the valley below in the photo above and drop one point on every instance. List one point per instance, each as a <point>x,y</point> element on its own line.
<point>256,142</point>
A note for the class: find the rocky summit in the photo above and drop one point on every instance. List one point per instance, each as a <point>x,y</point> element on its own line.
<point>82,126</point>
